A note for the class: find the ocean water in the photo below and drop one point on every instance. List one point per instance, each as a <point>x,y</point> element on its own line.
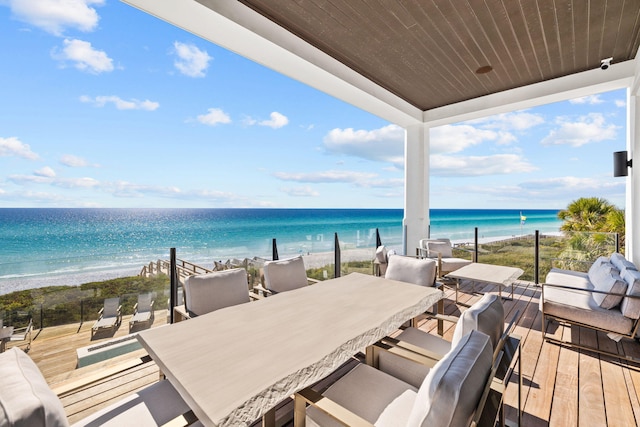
<point>42,247</point>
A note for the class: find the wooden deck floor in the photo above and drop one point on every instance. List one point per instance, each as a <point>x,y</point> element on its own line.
<point>561,386</point>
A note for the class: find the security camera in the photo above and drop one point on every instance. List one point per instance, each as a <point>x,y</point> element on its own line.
<point>605,63</point>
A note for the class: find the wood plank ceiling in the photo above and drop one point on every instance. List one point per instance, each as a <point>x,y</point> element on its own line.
<point>432,52</point>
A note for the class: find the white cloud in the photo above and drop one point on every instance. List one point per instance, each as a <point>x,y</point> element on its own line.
<point>73,161</point>
<point>385,144</point>
<point>584,130</point>
<point>620,103</point>
<point>300,192</point>
<point>517,121</point>
<point>453,139</point>
<point>54,16</point>
<point>121,104</point>
<point>46,172</point>
<point>191,61</point>
<point>277,121</point>
<point>214,116</point>
<point>331,176</point>
<point>14,147</point>
<point>84,182</point>
<point>499,164</point>
<point>84,56</point>
<point>588,100</point>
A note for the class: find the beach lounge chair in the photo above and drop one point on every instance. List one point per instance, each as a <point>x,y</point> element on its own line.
<point>442,251</point>
<point>23,335</point>
<point>142,311</point>
<point>453,393</point>
<point>109,316</point>
<point>27,400</point>
<point>284,275</point>
<point>204,293</point>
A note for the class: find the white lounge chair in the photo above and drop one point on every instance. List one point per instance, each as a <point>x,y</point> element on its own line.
<point>142,311</point>
<point>23,335</point>
<point>451,394</point>
<point>442,251</point>
<point>109,316</point>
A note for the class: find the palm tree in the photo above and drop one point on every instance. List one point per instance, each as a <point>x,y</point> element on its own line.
<point>586,214</point>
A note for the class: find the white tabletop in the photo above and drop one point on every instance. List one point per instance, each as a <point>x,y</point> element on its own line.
<point>234,364</point>
<point>489,273</point>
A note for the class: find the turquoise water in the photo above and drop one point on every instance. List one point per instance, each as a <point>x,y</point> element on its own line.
<point>41,247</point>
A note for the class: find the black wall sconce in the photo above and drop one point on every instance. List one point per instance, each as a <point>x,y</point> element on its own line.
<point>621,164</point>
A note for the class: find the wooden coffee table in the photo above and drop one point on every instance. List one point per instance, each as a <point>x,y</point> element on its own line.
<point>486,273</point>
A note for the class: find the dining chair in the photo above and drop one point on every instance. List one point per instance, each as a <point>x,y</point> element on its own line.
<point>452,394</point>
<point>441,250</point>
<point>284,275</point>
<point>204,293</point>
<point>486,316</point>
<point>411,270</point>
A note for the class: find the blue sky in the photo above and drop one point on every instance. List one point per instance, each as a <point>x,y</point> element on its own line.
<point>103,105</point>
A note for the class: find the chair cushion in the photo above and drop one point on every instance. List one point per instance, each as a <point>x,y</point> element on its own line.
<point>631,307</point>
<point>619,261</point>
<point>205,293</point>
<point>486,316</point>
<point>285,275</point>
<point>441,247</point>
<point>25,397</point>
<point>607,278</point>
<point>373,395</point>
<point>452,264</point>
<point>412,270</point>
<point>144,302</point>
<point>598,263</point>
<point>152,406</point>
<point>406,370</point>
<point>451,391</point>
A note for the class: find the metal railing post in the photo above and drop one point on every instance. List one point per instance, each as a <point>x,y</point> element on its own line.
<point>378,239</point>
<point>536,259</point>
<point>41,317</point>
<point>274,250</point>
<point>475,245</point>
<point>617,242</point>
<point>173,275</point>
<point>336,253</point>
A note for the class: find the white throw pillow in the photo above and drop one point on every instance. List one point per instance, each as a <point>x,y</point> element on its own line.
<point>630,307</point>
<point>619,261</point>
<point>607,279</point>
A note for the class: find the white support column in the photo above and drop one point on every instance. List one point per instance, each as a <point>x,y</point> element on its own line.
<point>632,208</point>
<point>416,187</point>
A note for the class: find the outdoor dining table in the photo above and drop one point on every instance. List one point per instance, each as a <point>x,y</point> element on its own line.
<point>233,365</point>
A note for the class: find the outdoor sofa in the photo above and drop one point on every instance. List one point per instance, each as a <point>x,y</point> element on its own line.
<point>606,298</point>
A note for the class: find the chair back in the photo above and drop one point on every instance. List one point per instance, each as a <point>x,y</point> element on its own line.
<point>111,307</point>
<point>285,275</point>
<point>435,247</point>
<point>486,316</point>
<point>451,392</point>
<point>412,270</point>
<point>204,293</point>
<point>144,302</point>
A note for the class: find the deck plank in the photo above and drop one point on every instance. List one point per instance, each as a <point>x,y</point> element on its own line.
<point>591,402</point>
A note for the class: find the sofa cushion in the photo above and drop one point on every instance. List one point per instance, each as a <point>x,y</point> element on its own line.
<point>579,306</point>
<point>607,279</point>
<point>285,275</point>
<point>630,307</point>
<point>25,397</point>
<point>597,263</point>
<point>451,391</point>
<point>486,315</point>
<point>412,270</point>
<point>205,293</point>
<point>619,261</point>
